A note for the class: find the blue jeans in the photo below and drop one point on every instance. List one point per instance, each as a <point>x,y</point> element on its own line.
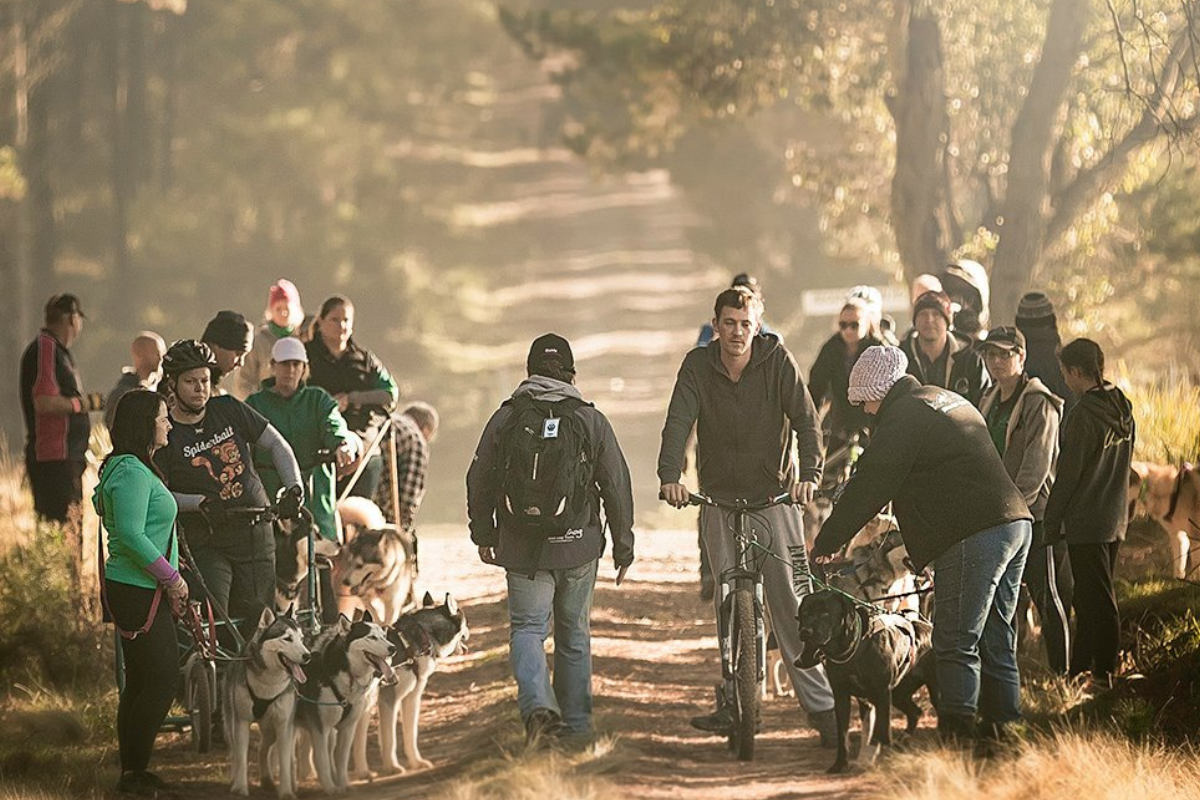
<point>976,585</point>
<point>567,593</point>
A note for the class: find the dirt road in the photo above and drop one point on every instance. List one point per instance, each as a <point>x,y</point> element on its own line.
<point>654,664</point>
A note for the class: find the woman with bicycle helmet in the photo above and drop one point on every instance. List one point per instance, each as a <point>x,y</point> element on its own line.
<point>209,468</point>
<point>140,579</point>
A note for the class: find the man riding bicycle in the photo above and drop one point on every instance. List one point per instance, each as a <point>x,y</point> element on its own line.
<point>744,394</point>
<point>209,467</point>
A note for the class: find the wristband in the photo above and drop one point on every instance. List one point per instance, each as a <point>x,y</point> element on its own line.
<point>162,571</point>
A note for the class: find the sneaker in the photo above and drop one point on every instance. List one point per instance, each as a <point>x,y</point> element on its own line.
<point>825,724</point>
<point>543,725</point>
<point>719,722</point>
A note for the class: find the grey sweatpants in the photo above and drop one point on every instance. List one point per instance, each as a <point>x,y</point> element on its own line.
<point>786,529</point>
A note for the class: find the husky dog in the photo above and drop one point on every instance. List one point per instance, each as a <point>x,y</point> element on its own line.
<point>291,558</point>
<point>348,659</point>
<point>375,567</point>
<point>262,689</point>
<point>423,638</point>
<point>879,567</point>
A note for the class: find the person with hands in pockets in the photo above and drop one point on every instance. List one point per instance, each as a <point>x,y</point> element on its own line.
<point>142,567</point>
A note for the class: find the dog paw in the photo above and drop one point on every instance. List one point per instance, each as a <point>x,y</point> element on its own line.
<point>393,769</point>
<point>363,775</point>
<point>420,763</point>
<point>244,791</point>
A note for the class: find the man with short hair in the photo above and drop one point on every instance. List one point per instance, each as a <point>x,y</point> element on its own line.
<point>744,395</point>
<point>936,356</point>
<point>56,412</point>
<point>1022,417</point>
<point>550,538</point>
<point>230,336</point>
<point>147,351</point>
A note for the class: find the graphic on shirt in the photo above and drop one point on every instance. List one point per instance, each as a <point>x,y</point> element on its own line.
<point>229,458</point>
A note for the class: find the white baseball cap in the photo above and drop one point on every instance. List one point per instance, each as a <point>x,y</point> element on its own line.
<point>289,348</point>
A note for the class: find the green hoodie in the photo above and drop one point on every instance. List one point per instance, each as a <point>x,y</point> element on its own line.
<point>310,421</point>
<point>139,514</point>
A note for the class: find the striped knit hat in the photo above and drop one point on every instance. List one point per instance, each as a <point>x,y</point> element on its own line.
<point>875,373</point>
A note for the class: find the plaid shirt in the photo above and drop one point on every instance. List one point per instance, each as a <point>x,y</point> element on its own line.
<point>412,464</point>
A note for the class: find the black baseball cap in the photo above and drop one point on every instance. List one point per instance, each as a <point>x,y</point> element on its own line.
<point>62,305</point>
<point>550,349</point>
<point>1005,337</point>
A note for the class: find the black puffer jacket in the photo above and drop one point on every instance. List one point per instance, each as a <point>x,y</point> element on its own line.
<point>1087,504</point>
<point>931,455</point>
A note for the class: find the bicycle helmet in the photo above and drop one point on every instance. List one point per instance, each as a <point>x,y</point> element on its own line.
<point>187,354</point>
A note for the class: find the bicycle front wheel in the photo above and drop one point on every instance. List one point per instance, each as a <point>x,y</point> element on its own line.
<point>744,635</point>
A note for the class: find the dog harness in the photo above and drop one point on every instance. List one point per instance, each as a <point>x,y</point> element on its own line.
<point>261,704</point>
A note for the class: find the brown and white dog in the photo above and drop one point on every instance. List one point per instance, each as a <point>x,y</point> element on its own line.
<point>374,569</point>
<point>1170,496</point>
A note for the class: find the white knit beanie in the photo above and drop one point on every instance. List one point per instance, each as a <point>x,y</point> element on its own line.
<point>875,373</point>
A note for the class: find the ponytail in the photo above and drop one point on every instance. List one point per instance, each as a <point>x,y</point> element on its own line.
<point>1085,356</point>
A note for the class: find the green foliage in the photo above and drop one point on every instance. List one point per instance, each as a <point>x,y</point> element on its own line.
<point>46,636</point>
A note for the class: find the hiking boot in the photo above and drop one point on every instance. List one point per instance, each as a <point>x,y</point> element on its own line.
<point>956,730</point>
<point>825,724</point>
<point>719,722</point>
<point>542,726</point>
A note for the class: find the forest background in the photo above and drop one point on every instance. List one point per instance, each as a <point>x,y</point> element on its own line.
<point>473,174</point>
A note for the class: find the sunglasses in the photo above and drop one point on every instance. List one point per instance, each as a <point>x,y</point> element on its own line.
<point>844,325</point>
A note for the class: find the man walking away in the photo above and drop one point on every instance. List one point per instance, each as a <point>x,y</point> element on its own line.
<point>147,349</point>
<point>546,464</point>
<point>744,395</point>
<point>1022,416</point>
<point>56,412</point>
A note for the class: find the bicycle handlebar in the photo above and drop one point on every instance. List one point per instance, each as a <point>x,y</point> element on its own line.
<point>695,499</point>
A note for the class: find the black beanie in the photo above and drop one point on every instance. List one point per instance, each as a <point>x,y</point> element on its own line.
<point>230,330</point>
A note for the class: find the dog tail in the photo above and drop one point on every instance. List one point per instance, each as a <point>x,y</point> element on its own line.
<point>361,513</point>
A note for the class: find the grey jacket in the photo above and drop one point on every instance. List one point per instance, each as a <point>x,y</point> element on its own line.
<point>613,489</point>
<point>1031,441</point>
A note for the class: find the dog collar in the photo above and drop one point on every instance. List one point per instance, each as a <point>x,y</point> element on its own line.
<point>857,641</point>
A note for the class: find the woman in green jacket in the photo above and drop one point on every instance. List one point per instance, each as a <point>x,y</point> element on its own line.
<point>309,420</point>
<point>143,565</point>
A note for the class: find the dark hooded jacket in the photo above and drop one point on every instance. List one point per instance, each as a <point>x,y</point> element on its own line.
<point>962,372</point>
<point>1041,361</point>
<point>829,380</point>
<point>743,430</point>
<point>932,457</point>
<point>520,553</point>
<point>1088,502</point>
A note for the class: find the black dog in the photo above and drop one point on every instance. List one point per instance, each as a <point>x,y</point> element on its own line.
<point>880,659</point>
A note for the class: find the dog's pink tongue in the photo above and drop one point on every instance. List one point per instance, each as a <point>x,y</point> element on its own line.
<point>384,668</point>
<point>297,672</point>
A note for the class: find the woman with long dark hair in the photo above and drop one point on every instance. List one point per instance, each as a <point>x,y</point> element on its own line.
<point>364,390</point>
<point>141,571</point>
<point>1087,506</point>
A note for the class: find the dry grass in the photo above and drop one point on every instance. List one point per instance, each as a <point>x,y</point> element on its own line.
<point>1067,766</point>
<point>542,776</point>
<point>16,503</point>
<point>1168,421</point>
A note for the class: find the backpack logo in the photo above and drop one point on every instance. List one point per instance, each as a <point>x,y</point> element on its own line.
<point>546,478</point>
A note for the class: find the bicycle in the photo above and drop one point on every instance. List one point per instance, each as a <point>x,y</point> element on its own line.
<point>741,622</point>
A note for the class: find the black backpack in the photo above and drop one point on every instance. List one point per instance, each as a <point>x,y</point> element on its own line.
<point>546,468</point>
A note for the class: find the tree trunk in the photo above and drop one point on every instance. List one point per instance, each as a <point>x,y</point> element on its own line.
<point>1022,227</point>
<point>919,111</point>
<point>121,167</point>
